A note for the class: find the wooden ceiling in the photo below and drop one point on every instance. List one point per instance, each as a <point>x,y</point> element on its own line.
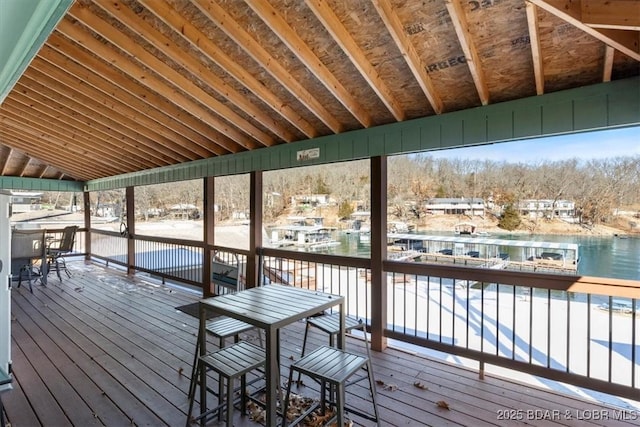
<point>125,86</point>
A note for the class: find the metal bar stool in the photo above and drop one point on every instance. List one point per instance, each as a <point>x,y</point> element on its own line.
<point>332,368</point>
<point>330,324</point>
<point>231,362</point>
<point>221,327</point>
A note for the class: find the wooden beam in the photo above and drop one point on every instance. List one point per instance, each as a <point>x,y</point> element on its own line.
<point>148,100</point>
<point>164,79</point>
<point>44,170</point>
<point>49,150</point>
<point>32,145</point>
<point>343,38</point>
<point>200,70</point>
<point>78,105</point>
<point>79,143</point>
<point>233,30</point>
<point>24,167</point>
<point>191,143</point>
<point>459,21</point>
<point>607,67</point>
<point>395,29</point>
<point>303,52</point>
<point>161,139</point>
<point>627,42</point>
<point>611,14</point>
<point>536,52</point>
<point>213,52</point>
<point>7,152</point>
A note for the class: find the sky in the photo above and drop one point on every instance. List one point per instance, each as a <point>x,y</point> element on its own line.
<point>583,146</point>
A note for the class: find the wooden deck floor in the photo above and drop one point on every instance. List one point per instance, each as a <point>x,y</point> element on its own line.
<point>103,349</point>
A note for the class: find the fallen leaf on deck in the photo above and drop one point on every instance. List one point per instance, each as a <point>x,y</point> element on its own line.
<point>391,387</point>
<point>78,289</point>
<point>180,370</point>
<point>443,404</point>
<point>379,382</point>
<point>420,385</point>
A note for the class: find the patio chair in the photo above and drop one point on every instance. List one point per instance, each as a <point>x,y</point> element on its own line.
<point>57,249</point>
<point>230,363</point>
<point>330,324</point>
<point>332,368</point>
<point>27,251</point>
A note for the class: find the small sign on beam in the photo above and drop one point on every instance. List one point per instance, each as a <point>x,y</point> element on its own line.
<point>310,154</point>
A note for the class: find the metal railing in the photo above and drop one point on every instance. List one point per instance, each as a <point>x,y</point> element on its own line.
<point>567,328</point>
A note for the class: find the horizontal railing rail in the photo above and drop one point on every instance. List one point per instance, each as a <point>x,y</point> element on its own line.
<point>566,328</point>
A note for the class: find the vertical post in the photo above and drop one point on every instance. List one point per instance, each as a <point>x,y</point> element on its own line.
<point>131,226</point>
<point>378,252</point>
<point>87,224</point>
<point>255,229</point>
<point>209,233</point>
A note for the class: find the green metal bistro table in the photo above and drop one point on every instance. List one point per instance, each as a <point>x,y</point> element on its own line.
<point>270,308</point>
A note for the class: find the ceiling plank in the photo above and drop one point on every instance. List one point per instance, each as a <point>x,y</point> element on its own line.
<point>163,123</point>
<point>460,24</point>
<point>60,142</point>
<point>612,14</point>
<point>24,166</point>
<point>32,146</point>
<point>149,100</point>
<point>194,66</point>
<point>96,134</point>
<point>536,52</point>
<point>303,52</point>
<point>43,172</point>
<point>150,81</point>
<point>244,40</point>
<point>627,42</point>
<point>165,80</point>
<point>607,67</point>
<point>343,38</point>
<point>207,47</point>
<point>395,29</point>
<point>7,152</point>
<point>121,112</point>
<point>89,144</point>
<point>93,110</point>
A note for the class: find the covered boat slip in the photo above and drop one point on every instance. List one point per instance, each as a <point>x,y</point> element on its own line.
<point>525,255</point>
<point>105,349</point>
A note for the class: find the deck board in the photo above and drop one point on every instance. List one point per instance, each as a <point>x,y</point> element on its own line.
<point>105,349</point>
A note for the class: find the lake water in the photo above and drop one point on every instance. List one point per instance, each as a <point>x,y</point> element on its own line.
<point>599,256</point>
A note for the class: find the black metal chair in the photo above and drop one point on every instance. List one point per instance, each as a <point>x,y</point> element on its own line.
<point>332,368</point>
<point>27,252</point>
<point>330,324</point>
<point>57,249</point>
<point>230,363</point>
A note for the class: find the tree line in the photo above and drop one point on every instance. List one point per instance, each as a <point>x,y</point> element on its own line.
<point>597,187</point>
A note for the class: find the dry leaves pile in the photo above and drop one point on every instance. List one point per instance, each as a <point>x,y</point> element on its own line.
<point>297,405</point>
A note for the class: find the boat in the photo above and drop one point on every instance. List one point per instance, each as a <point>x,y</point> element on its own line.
<point>304,233</point>
<point>468,229</point>
<point>359,223</point>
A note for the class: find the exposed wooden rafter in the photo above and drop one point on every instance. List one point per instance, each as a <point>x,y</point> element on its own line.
<point>536,54</point>
<point>466,42</point>
<point>4,159</point>
<point>395,29</point>
<point>343,38</point>
<point>196,68</point>
<point>244,40</point>
<point>627,42</point>
<point>213,52</point>
<point>609,53</point>
<point>611,14</point>
<point>299,48</point>
<point>217,114</point>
